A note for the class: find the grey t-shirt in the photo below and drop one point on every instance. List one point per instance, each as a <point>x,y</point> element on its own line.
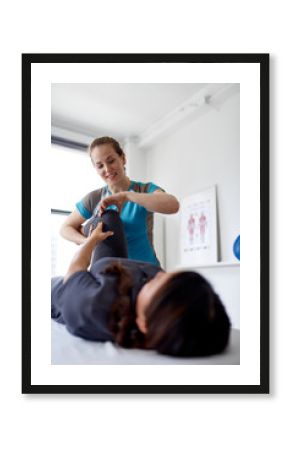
<point>84,301</point>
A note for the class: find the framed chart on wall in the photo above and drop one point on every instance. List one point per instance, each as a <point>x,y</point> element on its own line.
<point>248,374</point>
<point>198,237</point>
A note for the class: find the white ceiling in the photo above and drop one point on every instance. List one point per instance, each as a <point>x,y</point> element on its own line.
<point>119,110</point>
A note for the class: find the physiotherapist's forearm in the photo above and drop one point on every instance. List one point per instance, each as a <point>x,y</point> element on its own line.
<point>156,202</point>
<point>71,234</point>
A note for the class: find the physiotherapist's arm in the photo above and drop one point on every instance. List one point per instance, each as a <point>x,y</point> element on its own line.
<point>71,228</point>
<point>82,258</point>
<point>158,201</point>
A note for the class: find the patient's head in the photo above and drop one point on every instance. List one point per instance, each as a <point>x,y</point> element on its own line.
<point>185,317</point>
<point>179,315</point>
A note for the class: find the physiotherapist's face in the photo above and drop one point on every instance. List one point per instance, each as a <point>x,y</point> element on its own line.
<point>108,164</point>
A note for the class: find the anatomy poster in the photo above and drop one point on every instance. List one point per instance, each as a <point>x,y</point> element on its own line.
<point>199,228</point>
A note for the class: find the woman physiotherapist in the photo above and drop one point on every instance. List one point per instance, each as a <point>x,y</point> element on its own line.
<point>134,200</point>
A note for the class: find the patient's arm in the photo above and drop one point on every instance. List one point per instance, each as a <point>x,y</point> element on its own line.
<point>82,258</point>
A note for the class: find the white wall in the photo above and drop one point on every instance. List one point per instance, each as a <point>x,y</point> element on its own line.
<point>199,154</point>
<point>135,160</point>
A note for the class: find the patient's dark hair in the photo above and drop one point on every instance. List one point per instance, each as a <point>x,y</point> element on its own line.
<point>185,317</point>
<point>121,320</point>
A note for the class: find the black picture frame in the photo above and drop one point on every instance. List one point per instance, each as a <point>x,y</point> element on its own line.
<point>263,61</point>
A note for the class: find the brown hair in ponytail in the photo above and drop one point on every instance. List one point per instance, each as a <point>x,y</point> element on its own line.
<point>106,140</point>
<point>121,321</point>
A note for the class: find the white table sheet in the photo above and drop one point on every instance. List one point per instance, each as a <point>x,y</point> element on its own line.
<point>69,349</point>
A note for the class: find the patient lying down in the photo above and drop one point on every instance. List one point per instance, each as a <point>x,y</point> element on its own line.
<point>136,304</point>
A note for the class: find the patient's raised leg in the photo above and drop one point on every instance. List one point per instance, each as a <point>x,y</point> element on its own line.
<point>113,246</point>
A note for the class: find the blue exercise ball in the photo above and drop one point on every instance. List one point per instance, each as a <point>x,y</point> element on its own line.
<point>236,248</point>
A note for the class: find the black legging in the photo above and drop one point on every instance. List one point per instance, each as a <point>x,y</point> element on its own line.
<point>113,246</point>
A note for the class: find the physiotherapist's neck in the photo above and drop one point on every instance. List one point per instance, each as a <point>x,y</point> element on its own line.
<point>123,185</point>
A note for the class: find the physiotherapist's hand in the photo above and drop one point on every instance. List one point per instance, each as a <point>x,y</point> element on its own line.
<point>116,199</point>
<point>98,235</point>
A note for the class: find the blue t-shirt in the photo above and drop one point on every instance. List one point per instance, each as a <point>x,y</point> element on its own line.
<point>137,220</point>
